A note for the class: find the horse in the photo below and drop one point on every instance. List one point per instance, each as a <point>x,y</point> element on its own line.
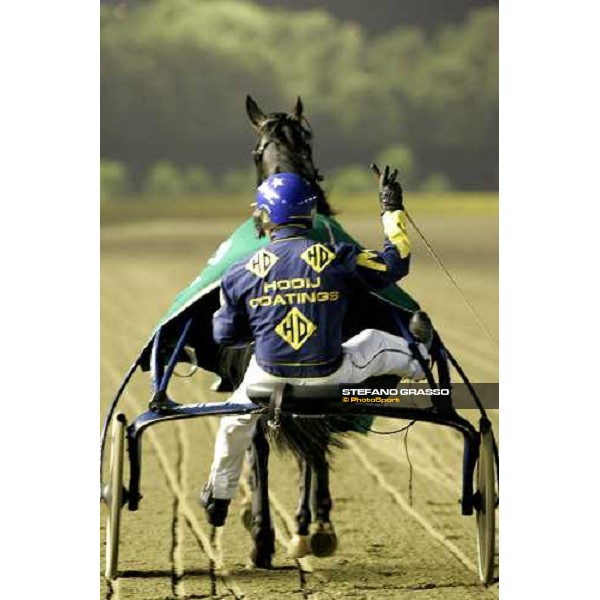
<point>284,144</point>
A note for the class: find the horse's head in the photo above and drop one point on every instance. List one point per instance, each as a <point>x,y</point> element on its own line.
<point>285,146</point>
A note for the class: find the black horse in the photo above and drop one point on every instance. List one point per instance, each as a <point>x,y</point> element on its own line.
<point>285,145</point>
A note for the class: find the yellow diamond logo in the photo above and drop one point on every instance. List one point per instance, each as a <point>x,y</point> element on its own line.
<point>261,263</point>
<point>295,329</point>
<point>317,257</point>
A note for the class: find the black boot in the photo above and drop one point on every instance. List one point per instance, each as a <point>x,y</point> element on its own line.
<point>215,508</point>
<point>421,327</point>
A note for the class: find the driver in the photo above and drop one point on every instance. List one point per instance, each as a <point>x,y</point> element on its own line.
<point>290,297</point>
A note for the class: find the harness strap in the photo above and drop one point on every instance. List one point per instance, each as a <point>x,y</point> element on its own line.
<point>275,401</point>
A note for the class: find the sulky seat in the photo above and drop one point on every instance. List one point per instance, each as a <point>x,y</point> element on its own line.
<point>261,393</point>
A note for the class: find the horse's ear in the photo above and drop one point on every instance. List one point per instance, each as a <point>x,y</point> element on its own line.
<point>257,116</point>
<point>298,109</point>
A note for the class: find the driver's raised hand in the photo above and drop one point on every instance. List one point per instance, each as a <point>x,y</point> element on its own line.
<point>390,190</point>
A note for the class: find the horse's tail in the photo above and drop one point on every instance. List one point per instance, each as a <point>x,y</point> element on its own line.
<point>309,439</point>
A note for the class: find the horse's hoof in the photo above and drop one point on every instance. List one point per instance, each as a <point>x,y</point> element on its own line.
<point>323,540</point>
<point>263,550</point>
<point>246,516</point>
<point>259,560</point>
<point>299,546</point>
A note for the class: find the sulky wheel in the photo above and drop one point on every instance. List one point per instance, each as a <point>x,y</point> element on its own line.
<point>485,505</point>
<point>114,495</point>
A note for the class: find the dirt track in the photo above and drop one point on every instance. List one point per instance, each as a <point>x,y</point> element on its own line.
<point>388,549</point>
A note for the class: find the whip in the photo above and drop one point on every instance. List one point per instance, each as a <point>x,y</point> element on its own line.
<point>460,291</point>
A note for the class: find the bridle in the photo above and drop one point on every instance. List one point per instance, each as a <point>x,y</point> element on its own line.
<point>269,134</point>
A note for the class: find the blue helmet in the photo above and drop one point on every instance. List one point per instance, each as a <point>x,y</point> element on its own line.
<point>285,198</point>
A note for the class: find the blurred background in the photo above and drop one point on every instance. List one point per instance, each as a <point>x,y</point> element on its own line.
<point>412,83</point>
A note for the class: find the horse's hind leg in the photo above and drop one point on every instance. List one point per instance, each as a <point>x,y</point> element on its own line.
<point>262,531</point>
<point>298,546</point>
<point>323,540</point>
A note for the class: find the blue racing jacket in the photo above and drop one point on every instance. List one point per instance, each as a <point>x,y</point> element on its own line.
<point>291,296</point>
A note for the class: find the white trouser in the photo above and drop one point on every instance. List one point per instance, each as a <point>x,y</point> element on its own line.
<point>367,354</point>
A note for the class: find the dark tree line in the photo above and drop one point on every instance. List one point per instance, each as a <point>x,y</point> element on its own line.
<point>174,75</point>
<point>376,16</point>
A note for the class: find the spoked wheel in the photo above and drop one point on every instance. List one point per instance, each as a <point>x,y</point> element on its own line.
<point>485,506</point>
<point>114,495</point>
